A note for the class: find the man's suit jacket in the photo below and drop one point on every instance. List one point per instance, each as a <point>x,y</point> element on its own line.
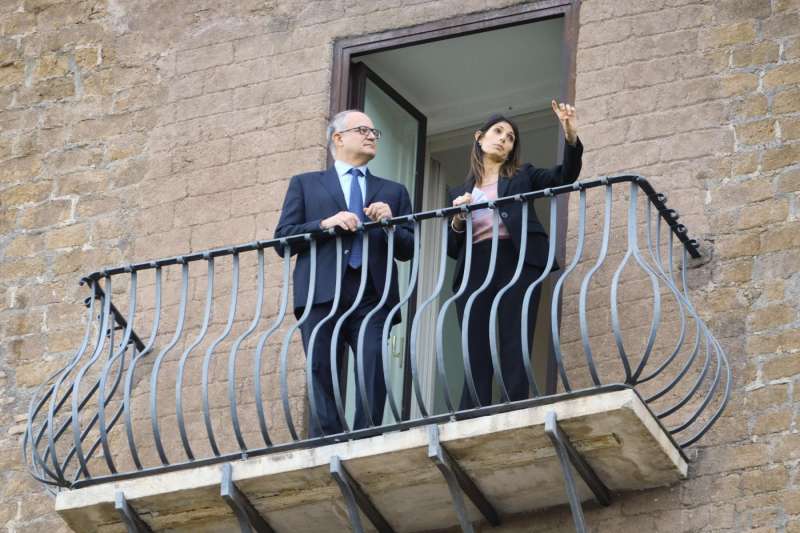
<point>527,178</point>
<point>314,196</point>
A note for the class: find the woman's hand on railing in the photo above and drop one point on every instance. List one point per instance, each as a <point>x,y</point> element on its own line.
<point>458,220</point>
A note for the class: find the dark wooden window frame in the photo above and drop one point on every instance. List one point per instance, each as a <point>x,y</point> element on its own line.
<point>346,49</point>
<point>359,75</point>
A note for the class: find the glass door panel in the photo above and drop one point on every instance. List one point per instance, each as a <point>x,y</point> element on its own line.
<point>400,158</point>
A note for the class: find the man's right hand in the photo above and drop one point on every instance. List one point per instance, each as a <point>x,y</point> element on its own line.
<point>343,219</point>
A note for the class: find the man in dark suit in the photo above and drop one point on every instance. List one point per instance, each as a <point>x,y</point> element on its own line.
<point>342,197</point>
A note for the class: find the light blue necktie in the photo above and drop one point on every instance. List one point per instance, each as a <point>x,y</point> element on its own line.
<point>357,207</point>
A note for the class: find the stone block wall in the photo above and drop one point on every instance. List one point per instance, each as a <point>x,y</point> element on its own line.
<point>702,99</point>
<point>136,130</point>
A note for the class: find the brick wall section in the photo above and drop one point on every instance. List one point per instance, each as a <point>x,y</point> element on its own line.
<point>137,130</point>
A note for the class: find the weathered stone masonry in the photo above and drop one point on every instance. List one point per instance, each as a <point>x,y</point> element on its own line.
<point>132,130</point>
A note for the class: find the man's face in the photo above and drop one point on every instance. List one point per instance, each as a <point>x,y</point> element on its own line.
<point>352,146</point>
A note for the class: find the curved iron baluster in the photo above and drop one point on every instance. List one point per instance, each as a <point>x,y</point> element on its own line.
<point>210,352</point>
<point>695,350</point>
<point>208,311</point>
<point>493,350</point>
<point>526,303</point>
<point>418,316</point>
<point>695,386</point>
<point>556,298</point>
<point>387,324</point>
<point>157,364</point>
<point>601,257</point>
<point>715,382</point>
<point>126,401</point>
<point>667,278</point>
<point>468,309</point>
<point>262,419</point>
<point>721,361</point>
<point>34,462</point>
<point>101,395</point>
<point>365,322</point>
<point>651,339</point>
<point>725,398</point>
<point>701,376</point>
<point>96,416</point>
<point>337,393</point>
<point>237,431</point>
<point>337,291</point>
<point>37,465</point>
<point>288,338</point>
<point>615,325</point>
<point>96,445</point>
<point>440,367</point>
<point>76,424</point>
<point>89,427</point>
<point>35,407</point>
<point>53,408</point>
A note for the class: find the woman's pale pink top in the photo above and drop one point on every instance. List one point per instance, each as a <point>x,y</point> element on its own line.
<point>482,219</point>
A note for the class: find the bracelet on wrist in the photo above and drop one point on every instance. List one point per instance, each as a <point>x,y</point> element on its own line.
<point>453,226</point>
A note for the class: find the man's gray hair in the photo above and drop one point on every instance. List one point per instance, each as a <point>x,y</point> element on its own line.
<point>336,124</point>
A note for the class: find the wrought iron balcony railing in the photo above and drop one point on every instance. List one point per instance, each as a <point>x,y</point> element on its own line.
<point>196,390</point>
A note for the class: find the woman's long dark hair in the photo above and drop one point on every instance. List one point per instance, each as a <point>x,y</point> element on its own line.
<point>511,164</point>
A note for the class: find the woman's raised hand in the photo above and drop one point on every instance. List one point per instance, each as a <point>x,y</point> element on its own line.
<point>568,118</point>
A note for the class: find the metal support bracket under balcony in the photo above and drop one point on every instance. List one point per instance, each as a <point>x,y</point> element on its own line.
<point>569,456</point>
<point>459,483</point>
<point>247,515</point>
<point>130,518</point>
<point>356,499</point>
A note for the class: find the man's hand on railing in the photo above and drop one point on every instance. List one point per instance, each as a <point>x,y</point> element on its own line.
<point>378,211</point>
<point>343,219</point>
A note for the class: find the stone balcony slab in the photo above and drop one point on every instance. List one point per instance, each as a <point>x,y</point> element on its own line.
<point>507,455</point>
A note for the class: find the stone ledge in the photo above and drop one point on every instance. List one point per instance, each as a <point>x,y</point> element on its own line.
<point>508,455</point>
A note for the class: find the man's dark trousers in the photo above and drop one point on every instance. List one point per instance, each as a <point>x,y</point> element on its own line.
<point>328,422</point>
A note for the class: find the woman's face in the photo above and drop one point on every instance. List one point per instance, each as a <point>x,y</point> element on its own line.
<point>498,141</point>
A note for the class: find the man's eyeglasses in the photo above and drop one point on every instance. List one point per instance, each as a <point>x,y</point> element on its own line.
<point>364,131</point>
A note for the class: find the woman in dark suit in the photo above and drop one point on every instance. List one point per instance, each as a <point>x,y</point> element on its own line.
<point>495,172</point>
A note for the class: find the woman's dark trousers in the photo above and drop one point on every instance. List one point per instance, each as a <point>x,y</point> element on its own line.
<point>509,322</point>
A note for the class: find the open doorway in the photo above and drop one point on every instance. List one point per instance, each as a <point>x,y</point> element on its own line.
<point>429,96</point>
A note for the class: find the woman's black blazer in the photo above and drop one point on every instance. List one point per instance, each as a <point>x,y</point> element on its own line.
<point>528,178</point>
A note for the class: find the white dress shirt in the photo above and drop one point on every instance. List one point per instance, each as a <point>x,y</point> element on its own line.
<point>345,179</point>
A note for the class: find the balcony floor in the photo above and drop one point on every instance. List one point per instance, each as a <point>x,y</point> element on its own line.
<point>508,456</point>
